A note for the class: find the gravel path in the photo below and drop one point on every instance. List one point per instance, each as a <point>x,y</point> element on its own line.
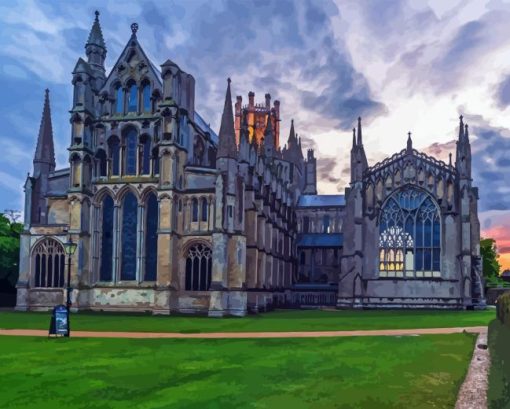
<point>216,335</point>
<point>473,393</point>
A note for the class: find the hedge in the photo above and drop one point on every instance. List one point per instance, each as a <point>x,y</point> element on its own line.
<point>503,308</point>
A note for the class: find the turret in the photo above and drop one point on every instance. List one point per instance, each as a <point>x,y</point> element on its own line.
<point>95,48</point>
<point>269,145</point>
<point>463,153</point>
<point>310,187</point>
<point>359,161</point>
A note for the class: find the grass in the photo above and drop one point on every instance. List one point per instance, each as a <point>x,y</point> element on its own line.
<point>282,320</point>
<point>364,372</point>
<point>498,395</point>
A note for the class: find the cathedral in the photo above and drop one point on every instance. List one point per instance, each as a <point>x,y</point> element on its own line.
<point>171,217</point>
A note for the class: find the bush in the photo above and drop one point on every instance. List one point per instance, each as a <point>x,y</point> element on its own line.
<point>503,308</point>
<point>498,394</point>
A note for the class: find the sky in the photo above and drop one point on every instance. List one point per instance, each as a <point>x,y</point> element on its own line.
<point>403,66</point>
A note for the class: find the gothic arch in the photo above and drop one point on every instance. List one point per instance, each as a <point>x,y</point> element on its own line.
<point>198,265</point>
<point>47,263</point>
<point>123,191</point>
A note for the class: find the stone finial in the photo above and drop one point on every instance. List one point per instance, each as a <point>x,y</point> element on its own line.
<point>134,28</point>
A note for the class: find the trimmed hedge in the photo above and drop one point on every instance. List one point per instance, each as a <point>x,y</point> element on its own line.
<point>503,308</point>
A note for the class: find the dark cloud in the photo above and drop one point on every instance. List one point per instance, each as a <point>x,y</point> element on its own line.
<point>326,169</point>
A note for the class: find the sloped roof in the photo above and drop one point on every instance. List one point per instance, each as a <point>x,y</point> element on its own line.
<point>205,127</point>
<point>320,240</point>
<point>321,200</point>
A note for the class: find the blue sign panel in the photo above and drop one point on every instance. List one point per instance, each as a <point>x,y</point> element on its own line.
<point>59,321</point>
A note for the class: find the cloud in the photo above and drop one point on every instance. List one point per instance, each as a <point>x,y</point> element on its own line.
<point>502,93</point>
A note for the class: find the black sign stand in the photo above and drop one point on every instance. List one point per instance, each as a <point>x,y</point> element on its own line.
<point>59,325</point>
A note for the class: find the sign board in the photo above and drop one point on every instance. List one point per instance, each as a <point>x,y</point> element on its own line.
<point>59,321</point>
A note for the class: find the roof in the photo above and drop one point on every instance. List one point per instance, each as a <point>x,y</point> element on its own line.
<point>320,240</point>
<point>205,127</point>
<point>321,200</point>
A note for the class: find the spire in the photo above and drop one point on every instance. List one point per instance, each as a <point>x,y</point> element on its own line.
<point>353,138</point>
<point>409,143</point>
<point>45,151</point>
<point>360,139</point>
<point>461,128</point>
<point>96,35</point>
<point>466,133</point>
<point>450,159</point>
<point>292,134</point>
<point>227,139</point>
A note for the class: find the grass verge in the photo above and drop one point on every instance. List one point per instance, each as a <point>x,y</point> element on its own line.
<point>374,372</point>
<point>282,320</point>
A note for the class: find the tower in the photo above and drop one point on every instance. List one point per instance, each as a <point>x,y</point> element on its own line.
<point>310,174</point>
<point>229,244</point>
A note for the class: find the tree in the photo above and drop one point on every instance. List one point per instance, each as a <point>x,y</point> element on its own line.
<point>491,266</point>
<point>9,249</point>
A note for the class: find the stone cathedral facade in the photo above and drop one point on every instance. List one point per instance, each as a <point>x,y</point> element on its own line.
<point>171,217</point>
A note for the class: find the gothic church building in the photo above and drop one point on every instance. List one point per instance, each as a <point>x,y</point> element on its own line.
<point>171,217</point>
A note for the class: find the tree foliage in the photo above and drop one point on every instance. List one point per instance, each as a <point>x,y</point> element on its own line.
<point>491,266</point>
<point>9,248</point>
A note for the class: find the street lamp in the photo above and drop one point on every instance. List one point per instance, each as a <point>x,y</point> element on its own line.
<point>70,248</point>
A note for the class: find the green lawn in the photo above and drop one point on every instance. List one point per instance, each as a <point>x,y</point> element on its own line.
<point>363,372</point>
<point>498,395</point>
<point>282,320</point>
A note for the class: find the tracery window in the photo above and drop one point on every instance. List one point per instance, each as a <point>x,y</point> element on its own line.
<point>105,271</point>
<point>151,237</point>
<point>198,268</point>
<point>155,163</point>
<point>128,239</point>
<point>409,239</point>
<point>48,260</point>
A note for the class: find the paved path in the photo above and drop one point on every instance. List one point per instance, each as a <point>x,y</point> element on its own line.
<point>473,393</point>
<point>216,335</point>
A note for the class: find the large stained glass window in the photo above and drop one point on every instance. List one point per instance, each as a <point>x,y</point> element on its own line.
<point>105,272</point>
<point>410,236</point>
<point>131,148</point>
<point>198,268</point>
<point>146,155</point>
<point>151,237</point>
<point>128,239</point>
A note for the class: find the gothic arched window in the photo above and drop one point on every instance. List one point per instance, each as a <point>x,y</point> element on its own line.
<point>146,95</point>
<point>119,100</point>
<point>129,226</point>
<point>105,271</point>
<point>132,104</point>
<point>48,260</point>
<point>130,140</point>
<point>155,161</point>
<point>145,159</point>
<point>100,163</point>
<point>409,239</point>
<point>114,146</point>
<point>151,237</point>
<point>205,209</point>
<point>198,268</point>
<point>194,210</point>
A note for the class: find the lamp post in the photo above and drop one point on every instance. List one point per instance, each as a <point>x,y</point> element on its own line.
<point>70,248</point>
